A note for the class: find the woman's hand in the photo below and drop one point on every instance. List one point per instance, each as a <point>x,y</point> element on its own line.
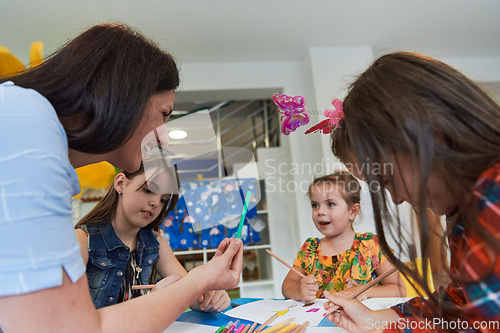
<point>215,301</point>
<point>352,290</point>
<point>308,288</point>
<point>353,316</point>
<point>223,270</point>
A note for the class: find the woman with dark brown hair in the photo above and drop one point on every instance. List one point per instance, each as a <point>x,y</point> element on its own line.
<point>440,133</point>
<point>93,100</point>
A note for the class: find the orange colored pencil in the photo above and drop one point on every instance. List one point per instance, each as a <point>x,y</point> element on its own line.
<point>143,286</point>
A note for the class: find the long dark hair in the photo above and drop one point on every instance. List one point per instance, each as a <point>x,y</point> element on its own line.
<point>418,106</point>
<point>101,81</point>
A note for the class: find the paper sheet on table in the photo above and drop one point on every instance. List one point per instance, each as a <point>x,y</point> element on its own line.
<point>181,327</point>
<point>384,303</point>
<point>262,310</point>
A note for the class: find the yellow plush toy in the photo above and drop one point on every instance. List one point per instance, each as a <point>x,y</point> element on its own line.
<point>97,176</point>
<point>10,64</point>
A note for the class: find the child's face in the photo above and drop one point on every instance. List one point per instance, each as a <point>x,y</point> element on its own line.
<point>139,205</point>
<point>330,212</point>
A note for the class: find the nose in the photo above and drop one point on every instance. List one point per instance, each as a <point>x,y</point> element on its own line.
<point>155,201</point>
<point>322,210</point>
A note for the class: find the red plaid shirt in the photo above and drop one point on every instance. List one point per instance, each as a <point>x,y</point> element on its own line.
<point>480,302</point>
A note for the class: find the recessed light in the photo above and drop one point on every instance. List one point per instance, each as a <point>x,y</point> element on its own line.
<point>177,134</point>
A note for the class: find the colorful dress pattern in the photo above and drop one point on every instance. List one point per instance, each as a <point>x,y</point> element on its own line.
<point>479,302</point>
<point>353,267</point>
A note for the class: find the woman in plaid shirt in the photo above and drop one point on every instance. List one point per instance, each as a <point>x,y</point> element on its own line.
<point>440,135</point>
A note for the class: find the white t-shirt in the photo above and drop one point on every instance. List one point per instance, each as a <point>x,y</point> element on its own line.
<point>37,181</point>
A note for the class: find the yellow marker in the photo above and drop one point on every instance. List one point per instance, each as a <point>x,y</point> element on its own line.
<point>272,329</point>
<point>284,329</point>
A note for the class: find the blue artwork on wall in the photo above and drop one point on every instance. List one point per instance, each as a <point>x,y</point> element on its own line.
<point>209,211</point>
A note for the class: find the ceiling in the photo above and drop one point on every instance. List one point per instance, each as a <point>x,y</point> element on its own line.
<point>198,31</point>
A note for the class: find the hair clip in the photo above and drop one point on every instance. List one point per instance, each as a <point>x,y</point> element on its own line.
<point>292,108</point>
<point>334,118</point>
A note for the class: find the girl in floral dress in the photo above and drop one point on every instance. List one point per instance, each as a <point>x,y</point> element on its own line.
<point>343,260</point>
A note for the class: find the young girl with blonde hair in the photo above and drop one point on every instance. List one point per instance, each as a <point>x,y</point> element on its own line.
<point>342,261</point>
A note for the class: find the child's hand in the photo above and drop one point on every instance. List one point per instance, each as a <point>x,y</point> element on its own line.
<point>308,288</point>
<point>166,282</point>
<point>352,290</point>
<point>215,301</point>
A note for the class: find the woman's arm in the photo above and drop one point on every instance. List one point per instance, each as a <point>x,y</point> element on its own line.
<point>298,288</point>
<point>213,300</point>
<point>68,307</point>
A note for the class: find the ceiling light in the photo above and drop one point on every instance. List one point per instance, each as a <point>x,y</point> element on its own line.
<point>177,134</point>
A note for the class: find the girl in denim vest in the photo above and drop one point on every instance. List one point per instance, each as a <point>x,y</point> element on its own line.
<point>120,244</point>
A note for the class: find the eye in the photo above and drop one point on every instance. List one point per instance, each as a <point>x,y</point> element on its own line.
<point>163,200</point>
<point>314,205</point>
<point>166,115</point>
<point>331,204</point>
<point>146,190</point>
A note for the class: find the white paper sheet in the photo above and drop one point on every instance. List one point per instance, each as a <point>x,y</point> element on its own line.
<point>181,327</point>
<point>384,303</point>
<point>262,310</point>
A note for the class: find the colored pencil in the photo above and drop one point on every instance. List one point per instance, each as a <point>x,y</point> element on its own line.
<point>267,322</point>
<point>246,329</point>
<point>365,288</point>
<point>143,286</point>
<point>285,263</point>
<point>243,213</point>
<point>290,267</point>
<point>287,328</point>
<point>252,328</point>
<point>298,328</point>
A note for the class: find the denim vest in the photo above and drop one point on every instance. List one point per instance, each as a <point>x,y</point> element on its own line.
<point>108,258</point>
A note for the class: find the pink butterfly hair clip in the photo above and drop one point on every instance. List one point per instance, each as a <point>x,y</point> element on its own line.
<point>334,118</point>
<point>292,108</point>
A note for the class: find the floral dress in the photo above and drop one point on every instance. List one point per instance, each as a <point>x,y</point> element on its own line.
<point>353,267</point>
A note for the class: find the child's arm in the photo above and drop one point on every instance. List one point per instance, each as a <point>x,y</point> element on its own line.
<point>82,237</point>
<point>298,288</point>
<point>213,300</point>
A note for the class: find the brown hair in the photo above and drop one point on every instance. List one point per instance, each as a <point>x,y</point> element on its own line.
<point>415,105</point>
<point>106,208</point>
<point>102,80</point>
<point>351,190</point>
